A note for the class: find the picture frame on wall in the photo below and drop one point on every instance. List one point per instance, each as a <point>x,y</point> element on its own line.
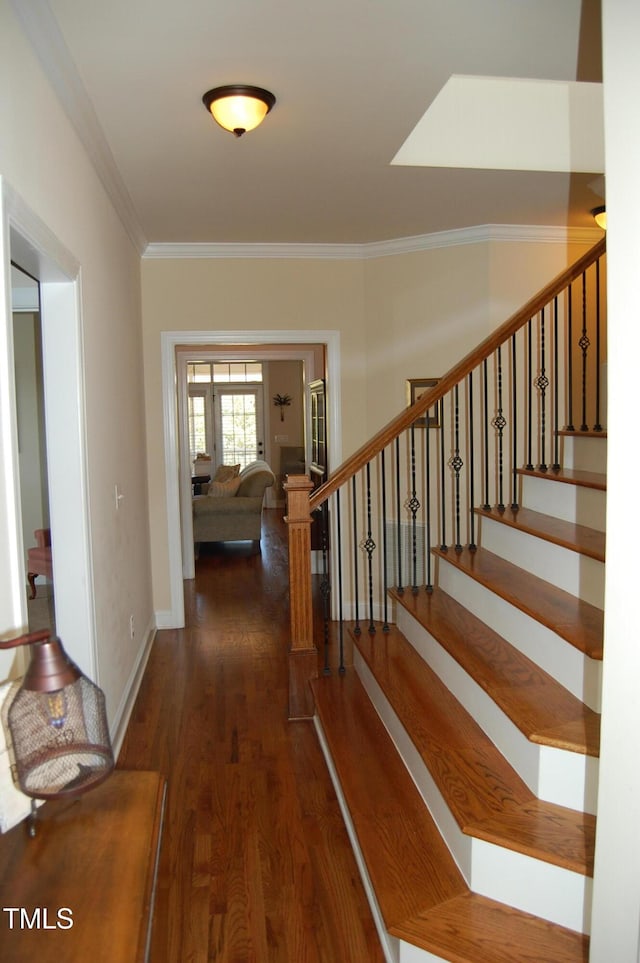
<point>415,388</point>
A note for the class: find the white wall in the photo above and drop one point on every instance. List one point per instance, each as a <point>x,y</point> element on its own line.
<point>43,162</point>
<point>616,915</point>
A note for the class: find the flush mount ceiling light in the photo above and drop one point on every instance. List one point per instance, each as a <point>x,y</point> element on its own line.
<point>600,216</point>
<point>238,107</point>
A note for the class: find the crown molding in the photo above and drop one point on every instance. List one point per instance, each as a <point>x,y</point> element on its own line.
<point>484,233</point>
<point>43,33</point>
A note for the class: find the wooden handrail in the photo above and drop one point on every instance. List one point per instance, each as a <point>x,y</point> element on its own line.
<point>454,376</point>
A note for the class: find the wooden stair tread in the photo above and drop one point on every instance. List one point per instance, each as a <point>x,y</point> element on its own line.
<point>544,711</point>
<point>577,538</point>
<point>570,476</point>
<point>485,795</point>
<point>472,927</point>
<point>577,622</point>
<point>421,894</point>
<point>576,433</point>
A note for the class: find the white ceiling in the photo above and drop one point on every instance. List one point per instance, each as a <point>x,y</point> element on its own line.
<point>352,79</point>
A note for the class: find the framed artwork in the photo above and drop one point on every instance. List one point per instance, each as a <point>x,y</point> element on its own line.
<point>415,388</point>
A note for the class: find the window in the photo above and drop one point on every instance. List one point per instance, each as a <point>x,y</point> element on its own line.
<point>224,372</point>
<point>225,410</point>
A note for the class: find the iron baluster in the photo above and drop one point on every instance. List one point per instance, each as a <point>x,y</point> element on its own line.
<point>486,505</point>
<point>443,544</point>
<point>542,383</point>
<point>341,668</point>
<point>412,505</point>
<point>356,600</point>
<point>530,396</point>
<point>584,347</point>
<point>472,500</point>
<point>556,373</point>
<point>385,586</point>
<point>369,547</point>
<point>398,522</point>
<point>455,464</point>
<point>428,492</point>
<point>598,425</point>
<point>514,425</point>
<point>570,425</point>
<point>499,423</point>
<point>325,588</point>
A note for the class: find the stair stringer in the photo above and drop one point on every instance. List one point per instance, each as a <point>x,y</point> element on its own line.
<point>559,895</point>
<point>395,950</point>
<point>559,776</point>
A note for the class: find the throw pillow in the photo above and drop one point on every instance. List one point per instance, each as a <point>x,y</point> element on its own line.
<point>225,472</point>
<point>218,489</point>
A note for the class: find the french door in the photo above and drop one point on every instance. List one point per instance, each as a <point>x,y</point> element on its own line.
<point>238,425</point>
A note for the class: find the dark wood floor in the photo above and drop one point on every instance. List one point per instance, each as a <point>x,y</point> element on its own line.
<point>255,863</point>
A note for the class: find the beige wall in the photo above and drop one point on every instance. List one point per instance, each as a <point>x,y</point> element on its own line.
<point>45,165</point>
<point>401,316</point>
<point>424,311</point>
<point>212,295</point>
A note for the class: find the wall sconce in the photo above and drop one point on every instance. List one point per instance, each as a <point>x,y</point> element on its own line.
<point>58,724</point>
<point>238,107</point>
<point>600,216</point>
<point>282,402</point>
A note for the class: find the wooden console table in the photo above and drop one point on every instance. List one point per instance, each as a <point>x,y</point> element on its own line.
<point>83,888</point>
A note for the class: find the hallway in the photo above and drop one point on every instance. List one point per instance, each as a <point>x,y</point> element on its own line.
<point>256,866</point>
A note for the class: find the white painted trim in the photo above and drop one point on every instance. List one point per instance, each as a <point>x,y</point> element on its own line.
<point>30,242</point>
<point>169,341</point>
<point>509,233</point>
<point>165,619</point>
<point>209,353</point>
<point>390,944</point>
<point>121,717</point>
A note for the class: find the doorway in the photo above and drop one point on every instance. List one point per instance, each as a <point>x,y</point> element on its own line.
<point>257,344</point>
<point>36,249</point>
<point>32,447</point>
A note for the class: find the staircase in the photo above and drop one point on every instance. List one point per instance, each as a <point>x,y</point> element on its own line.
<point>460,717</point>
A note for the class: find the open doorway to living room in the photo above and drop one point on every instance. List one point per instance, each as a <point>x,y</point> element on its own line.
<point>259,345</point>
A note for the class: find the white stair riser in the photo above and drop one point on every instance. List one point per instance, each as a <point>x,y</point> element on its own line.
<point>573,503</point>
<point>413,954</point>
<point>572,669</point>
<point>555,894</point>
<point>566,781</point>
<point>528,884</point>
<point>580,575</point>
<point>584,453</point>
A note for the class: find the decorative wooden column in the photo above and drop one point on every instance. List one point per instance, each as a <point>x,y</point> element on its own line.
<point>303,657</point>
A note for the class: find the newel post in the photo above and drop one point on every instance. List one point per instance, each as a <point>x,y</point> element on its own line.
<point>303,657</point>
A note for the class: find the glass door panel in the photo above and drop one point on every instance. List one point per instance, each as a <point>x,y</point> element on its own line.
<point>238,425</point>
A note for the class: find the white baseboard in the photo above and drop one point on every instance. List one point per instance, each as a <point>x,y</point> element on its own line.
<point>123,713</point>
<point>166,619</point>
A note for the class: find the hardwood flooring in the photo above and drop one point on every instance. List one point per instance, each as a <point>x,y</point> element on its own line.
<point>255,864</point>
